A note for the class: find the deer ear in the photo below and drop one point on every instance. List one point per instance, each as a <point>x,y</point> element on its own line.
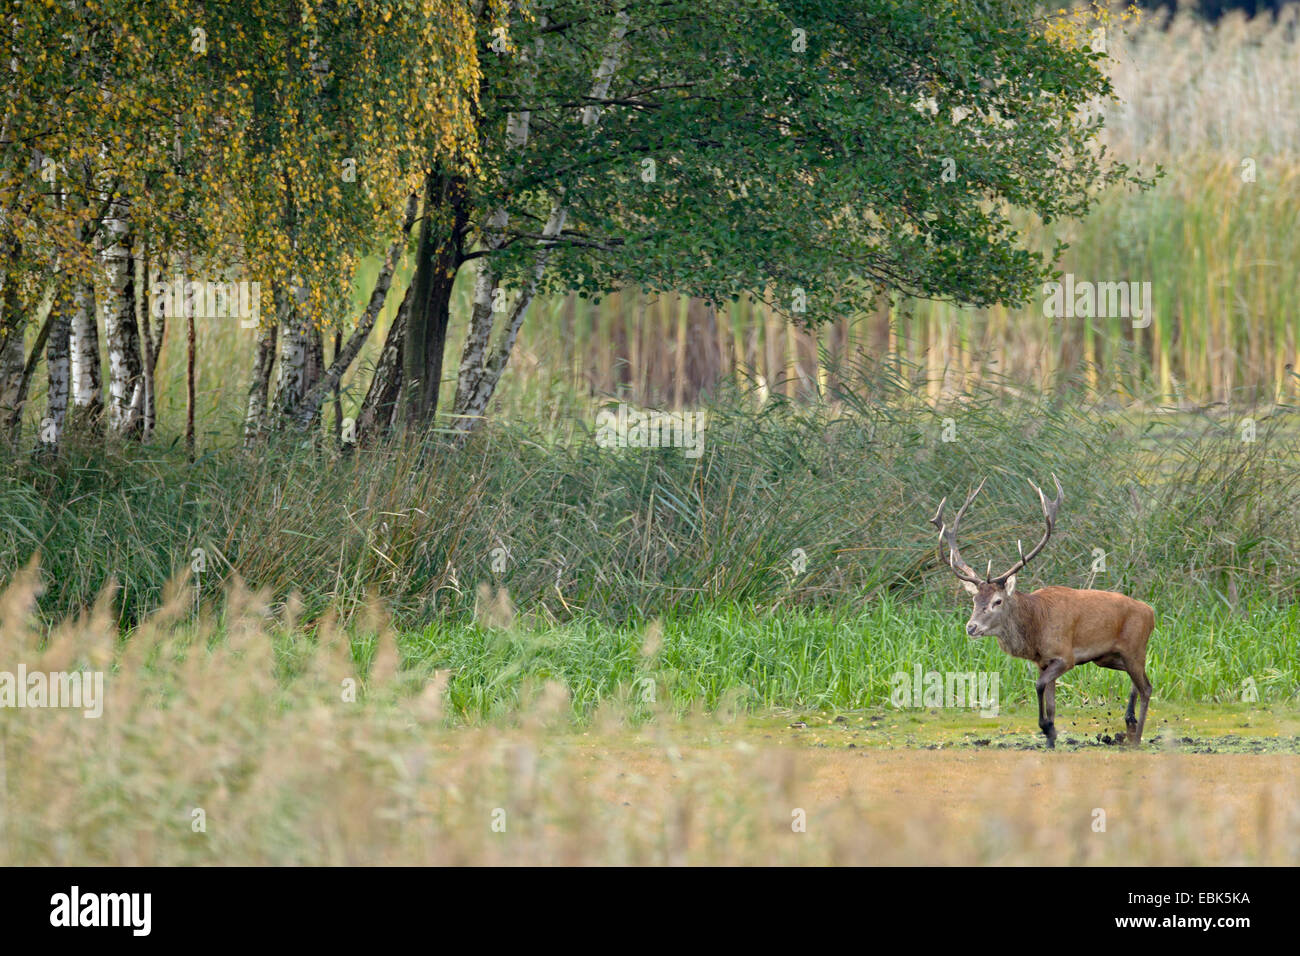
<point>970,588</point>
<point>1011,584</point>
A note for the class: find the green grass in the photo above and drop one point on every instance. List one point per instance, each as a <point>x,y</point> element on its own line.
<point>734,657</point>
<point>1177,504</point>
<point>593,545</point>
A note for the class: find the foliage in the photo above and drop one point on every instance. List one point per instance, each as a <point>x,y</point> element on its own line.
<point>796,150</point>
<point>276,136</point>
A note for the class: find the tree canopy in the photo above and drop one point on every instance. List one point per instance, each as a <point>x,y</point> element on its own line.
<point>807,153</point>
<point>753,145</point>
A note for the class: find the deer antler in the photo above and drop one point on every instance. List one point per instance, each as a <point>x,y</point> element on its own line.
<point>959,567</point>
<point>1049,516</point>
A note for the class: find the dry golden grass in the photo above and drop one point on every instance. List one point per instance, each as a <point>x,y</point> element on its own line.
<point>285,770</point>
<point>1226,88</point>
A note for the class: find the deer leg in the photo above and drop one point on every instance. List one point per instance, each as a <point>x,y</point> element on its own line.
<point>1143,688</point>
<point>1046,687</point>
<point>1137,673</point>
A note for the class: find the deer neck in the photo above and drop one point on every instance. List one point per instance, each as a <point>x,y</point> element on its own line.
<point>1017,636</point>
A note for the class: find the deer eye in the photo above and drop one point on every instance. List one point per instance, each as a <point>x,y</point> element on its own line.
<point>996,602</point>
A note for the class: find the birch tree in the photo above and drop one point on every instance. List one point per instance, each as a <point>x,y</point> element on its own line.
<point>88,162</point>
<point>58,365</point>
<point>175,128</point>
<point>125,367</point>
<point>84,358</point>
<point>370,99</point>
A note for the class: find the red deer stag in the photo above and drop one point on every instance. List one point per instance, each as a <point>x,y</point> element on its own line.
<point>1056,628</point>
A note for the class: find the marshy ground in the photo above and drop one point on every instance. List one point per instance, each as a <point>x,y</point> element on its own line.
<point>1180,728</point>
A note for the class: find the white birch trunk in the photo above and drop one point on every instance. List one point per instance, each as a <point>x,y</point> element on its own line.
<point>300,354</point>
<point>125,382</point>
<point>481,368</point>
<point>59,373</point>
<point>479,372</point>
<point>289,386</point>
<point>87,375</point>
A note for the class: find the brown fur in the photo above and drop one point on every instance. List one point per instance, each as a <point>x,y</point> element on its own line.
<point>1059,628</point>
<point>1056,628</point>
<point>1075,625</point>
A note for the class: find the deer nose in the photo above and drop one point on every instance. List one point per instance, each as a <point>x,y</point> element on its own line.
<point>970,629</point>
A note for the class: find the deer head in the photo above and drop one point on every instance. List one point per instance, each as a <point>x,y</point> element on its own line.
<point>993,595</point>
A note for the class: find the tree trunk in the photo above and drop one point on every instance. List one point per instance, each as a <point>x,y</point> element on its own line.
<point>84,360</point>
<point>338,394</point>
<point>191,393</point>
<point>14,424</point>
<point>255,419</point>
<point>301,356</point>
<point>481,367</point>
<point>11,356</point>
<point>125,382</point>
<point>379,410</point>
<point>59,372</point>
<point>151,332</point>
<point>438,256</point>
